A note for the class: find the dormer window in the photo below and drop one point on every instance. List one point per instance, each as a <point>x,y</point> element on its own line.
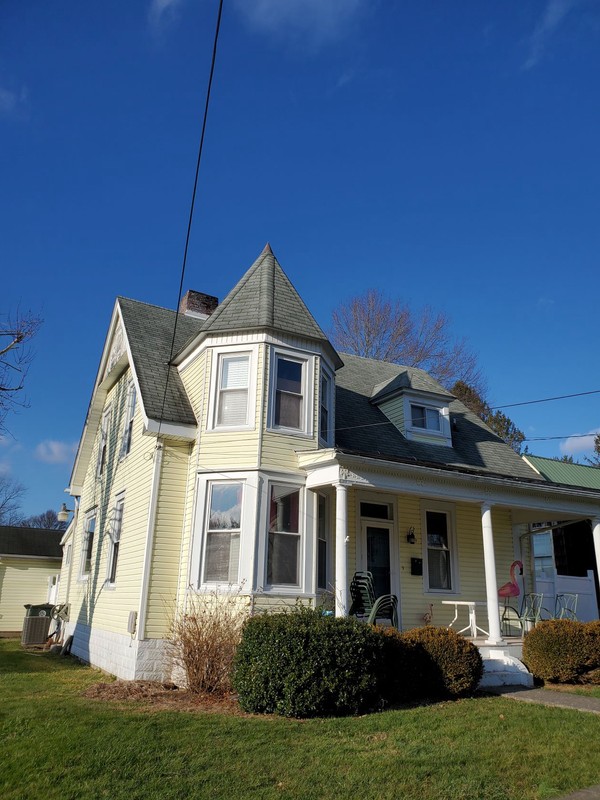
<point>426,418</point>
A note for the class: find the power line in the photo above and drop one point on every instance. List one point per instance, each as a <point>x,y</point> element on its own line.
<point>546,399</point>
<point>568,436</point>
<point>191,214</point>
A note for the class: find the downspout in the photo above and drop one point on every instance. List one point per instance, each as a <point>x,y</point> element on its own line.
<point>143,608</point>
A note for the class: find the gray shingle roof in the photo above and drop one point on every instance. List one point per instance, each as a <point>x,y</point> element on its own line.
<point>265,299</point>
<point>150,332</point>
<point>363,428</point>
<point>25,542</point>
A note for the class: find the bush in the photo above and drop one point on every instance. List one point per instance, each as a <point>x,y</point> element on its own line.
<point>560,650</point>
<point>445,664</point>
<point>304,664</point>
<point>204,640</point>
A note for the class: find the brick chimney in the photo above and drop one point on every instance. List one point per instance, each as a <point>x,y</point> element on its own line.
<point>197,304</point>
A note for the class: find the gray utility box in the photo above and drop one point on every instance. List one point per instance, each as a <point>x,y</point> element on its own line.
<point>36,624</point>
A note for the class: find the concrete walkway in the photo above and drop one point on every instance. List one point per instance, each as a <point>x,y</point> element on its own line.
<point>547,697</point>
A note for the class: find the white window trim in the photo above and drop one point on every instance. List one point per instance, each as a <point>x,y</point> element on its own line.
<point>247,531</point>
<point>119,500</point>
<point>287,588</point>
<point>92,514</point>
<point>450,510</point>
<point>328,439</point>
<point>232,350</point>
<point>308,393</point>
<point>411,431</point>
<point>328,543</point>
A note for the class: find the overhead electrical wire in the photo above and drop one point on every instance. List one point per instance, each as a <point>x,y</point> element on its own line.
<point>546,399</point>
<point>191,214</point>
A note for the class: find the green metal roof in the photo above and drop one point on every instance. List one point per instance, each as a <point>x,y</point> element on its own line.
<point>562,472</point>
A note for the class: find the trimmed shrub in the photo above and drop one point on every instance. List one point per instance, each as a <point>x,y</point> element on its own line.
<point>445,663</point>
<point>304,664</point>
<point>560,650</point>
<point>592,646</point>
<point>401,670</point>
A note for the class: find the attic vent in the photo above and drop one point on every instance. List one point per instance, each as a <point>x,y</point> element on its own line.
<point>197,304</point>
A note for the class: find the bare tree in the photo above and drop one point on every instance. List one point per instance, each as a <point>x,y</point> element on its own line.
<point>15,357</point>
<point>47,519</point>
<point>373,326</point>
<point>594,461</point>
<point>11,492</point>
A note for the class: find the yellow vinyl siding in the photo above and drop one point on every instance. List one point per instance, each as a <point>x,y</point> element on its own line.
<point>92,600</point>
<point>22,580</point>
<point>470,576</point>
<point>170,514</point>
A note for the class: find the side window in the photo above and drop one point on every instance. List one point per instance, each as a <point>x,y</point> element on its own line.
<point>326,408</point>
<point>283,546</point>
<point>233,384</point>
<point>129,415</point>
<point>223,528</point>
<point>114,532</point>
<point>87,545</point>
<point>439,544</point>
<point>103,445</point>
<point>322,540</point>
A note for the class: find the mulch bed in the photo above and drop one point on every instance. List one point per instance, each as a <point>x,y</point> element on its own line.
<point>163,697</point>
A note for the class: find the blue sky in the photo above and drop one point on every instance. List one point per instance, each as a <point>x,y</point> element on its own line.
<point>445,153</point>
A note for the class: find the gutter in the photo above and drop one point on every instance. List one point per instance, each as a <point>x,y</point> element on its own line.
<point>150,530</point>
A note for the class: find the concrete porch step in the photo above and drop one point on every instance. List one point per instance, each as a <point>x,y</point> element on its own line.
<point>502,669</point>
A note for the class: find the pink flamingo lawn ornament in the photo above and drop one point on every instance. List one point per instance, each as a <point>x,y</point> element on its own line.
<point>511,589</point>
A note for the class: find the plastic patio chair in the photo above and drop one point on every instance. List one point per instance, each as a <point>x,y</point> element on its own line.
<point>566,606</point>
<point>368,607</point>
<point>529,615</point>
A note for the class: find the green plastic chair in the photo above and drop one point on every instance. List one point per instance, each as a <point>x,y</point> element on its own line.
<point>529,615</point>
<point>366,606</point>
<point>566,606</point>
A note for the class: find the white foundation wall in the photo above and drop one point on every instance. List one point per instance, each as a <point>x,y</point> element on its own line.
<point>120,654</point>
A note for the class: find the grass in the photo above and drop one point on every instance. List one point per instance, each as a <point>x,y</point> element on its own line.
<point>574,688</point>
<point>57,744</point>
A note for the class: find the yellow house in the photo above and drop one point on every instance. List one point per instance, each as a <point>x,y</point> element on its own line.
<point>30,560</point>
<point>230,447</point>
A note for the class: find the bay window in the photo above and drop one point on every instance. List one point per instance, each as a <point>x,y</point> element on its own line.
<point>233,385</point>
<point>283,546</point>
<point>223,527</point>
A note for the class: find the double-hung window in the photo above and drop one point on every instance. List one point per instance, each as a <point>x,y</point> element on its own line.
<point>439,544</point>
<point>87,545</point>
<point>424,417</point>
<point>223,528</point>
<point>115,527</point>
<point>289,393</point>
<point>233,385</point>
<point>322,539</point>
<point>326,408</point>
<point>129,415</point>
<point>283,554</point>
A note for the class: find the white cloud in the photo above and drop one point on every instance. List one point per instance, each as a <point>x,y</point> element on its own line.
<point>317,21</point>
<point>162,12</point>
<point>579,443</point>
<point>12,103</point>
<point>553,16</point>
<point>53,452</point>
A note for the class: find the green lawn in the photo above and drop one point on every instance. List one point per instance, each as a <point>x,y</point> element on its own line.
<point>572,688</point>
<point>56,744</point>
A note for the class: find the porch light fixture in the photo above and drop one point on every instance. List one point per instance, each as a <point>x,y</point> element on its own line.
<point>410,536</point>
<point>63,514</point>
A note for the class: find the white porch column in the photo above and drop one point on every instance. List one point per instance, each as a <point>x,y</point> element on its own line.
<point>596,532</point>
<point>491,585</point>
<point>341,549</point>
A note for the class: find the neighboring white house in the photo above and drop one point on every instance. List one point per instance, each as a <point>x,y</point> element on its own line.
<point>254,456</point>
<point>30,560</point>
